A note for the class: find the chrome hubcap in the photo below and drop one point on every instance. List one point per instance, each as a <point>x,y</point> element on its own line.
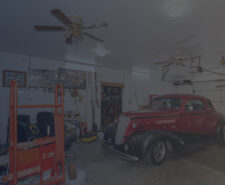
<point>159,151</point>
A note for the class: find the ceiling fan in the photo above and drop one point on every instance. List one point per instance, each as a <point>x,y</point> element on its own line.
<point>174,60</point>
<point>74,27</point>
<point>199,69</point>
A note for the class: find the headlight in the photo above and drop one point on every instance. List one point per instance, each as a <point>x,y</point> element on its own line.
<point>134,125</point>
<point>100,135</point>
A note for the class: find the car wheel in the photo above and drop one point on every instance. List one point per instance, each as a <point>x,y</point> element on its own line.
<point>157,153</point>
<point>222,136</point>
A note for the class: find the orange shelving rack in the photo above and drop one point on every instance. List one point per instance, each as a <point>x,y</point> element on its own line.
<point>36,157</point>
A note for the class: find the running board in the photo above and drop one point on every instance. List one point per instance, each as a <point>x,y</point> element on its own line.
<point>119,154</point>
<point>197,146</point>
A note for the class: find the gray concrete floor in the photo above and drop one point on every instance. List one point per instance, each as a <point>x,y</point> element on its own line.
<point>203,167</point>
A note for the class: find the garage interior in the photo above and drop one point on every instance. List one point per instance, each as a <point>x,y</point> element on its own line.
<point>70,68</point>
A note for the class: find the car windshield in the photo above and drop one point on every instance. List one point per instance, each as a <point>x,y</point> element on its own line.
<point>165,103</point>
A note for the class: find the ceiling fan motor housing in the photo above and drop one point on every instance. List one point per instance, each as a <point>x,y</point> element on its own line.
<point>177,82</point>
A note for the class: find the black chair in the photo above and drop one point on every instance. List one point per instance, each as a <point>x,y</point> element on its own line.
<point>45,120</point>
<point>24,118</point>
<point>23,132</point>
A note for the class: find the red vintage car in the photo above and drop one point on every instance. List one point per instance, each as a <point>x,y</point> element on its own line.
<point>170,122</point>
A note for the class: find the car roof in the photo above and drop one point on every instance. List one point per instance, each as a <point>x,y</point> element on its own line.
<point>184,96</point>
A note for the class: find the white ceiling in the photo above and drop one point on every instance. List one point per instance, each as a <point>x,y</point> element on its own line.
<point>140,32</point>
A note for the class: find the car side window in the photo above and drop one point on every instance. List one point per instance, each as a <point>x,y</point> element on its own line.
<point>194,105</point>
<point>189,105</point>
<point>199,105</point>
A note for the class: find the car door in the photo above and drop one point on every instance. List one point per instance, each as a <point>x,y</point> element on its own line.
<point>212,118</point>
<point>186,122</point>
<point>195,116</point>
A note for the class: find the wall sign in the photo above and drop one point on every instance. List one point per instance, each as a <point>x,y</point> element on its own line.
<point>72,79</point>
<point>19,76</point>
<point>42,78</point>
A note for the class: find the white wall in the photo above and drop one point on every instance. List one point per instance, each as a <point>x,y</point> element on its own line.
<point>137,88</point>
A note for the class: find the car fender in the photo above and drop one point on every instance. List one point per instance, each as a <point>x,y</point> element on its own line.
<point>142,141</point>
<point>220,126</point>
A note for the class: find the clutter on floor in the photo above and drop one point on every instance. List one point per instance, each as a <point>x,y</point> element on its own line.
<point>86,137</point>
<point>80,180</point>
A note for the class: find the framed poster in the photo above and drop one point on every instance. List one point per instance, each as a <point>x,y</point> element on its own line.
<point>19,76</point>
<point>72,79</point>
<point>42,78</point>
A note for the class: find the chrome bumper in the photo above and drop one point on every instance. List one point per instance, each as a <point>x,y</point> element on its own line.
<point>119,154</point>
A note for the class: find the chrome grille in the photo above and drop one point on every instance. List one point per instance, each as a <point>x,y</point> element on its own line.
<point>121,129</point>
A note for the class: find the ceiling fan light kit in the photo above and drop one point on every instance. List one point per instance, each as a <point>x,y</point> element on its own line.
<point>73,27</point>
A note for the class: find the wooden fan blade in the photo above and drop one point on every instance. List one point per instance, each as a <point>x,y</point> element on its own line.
<point>49,28</point>
<point>181,64</point>
<point>92,36</point>
<point>162,62</point>
<point>213,72</point>
<point>167,65</point>
<point>101,25</point>
<point>57,13</point>
<point>189,58</point>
